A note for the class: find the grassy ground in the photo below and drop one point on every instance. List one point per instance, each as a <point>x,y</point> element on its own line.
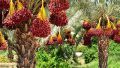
<point>3,57</point>
<point>3,53</point>
<point>113,60</point>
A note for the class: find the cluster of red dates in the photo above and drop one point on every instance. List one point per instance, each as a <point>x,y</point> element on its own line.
<point>19,14</point>
<point>110,29</point>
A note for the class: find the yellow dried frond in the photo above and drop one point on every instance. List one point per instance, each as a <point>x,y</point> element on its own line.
<point>2,39</point>
<point>12,8</point>
<point>42,12</point>
<point>98,25</point>
<point>108,23</point>
<point>19,5</point>
<point>113,26</point>
<point>118,22</point>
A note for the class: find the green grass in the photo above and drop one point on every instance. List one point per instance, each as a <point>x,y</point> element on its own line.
<point>3,53</point>
<point>3,57</point>
<point>113,59</point>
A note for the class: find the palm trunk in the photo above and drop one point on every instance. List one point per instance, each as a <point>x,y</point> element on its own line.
<point>26,56</point>
<point>25,48</point>
<point>23,65</point>
<point>26,62</point>
<point>103,51</point>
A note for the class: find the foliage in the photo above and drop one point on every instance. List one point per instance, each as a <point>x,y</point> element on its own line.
<point>89,53</point>
<point>3,53</point>
<point>113,59</point>
<point>54,56</point>
<point>60,57</point>
<point>4,59</point>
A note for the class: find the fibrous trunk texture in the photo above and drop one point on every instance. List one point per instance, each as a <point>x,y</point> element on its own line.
<point>25,48</point>
<point>103,51</point>
<point>26,63</point>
